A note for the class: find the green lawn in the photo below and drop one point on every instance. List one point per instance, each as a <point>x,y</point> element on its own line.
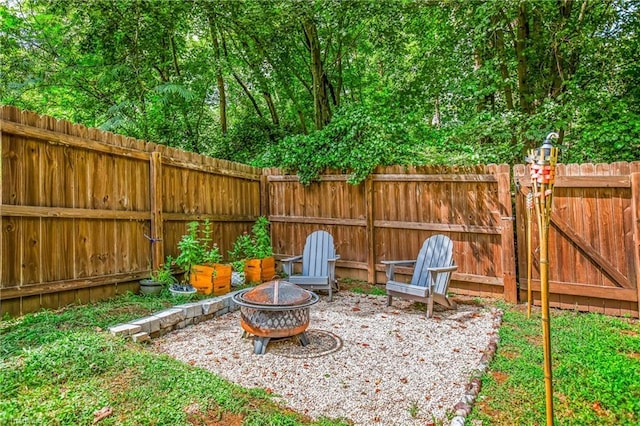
<point>61,367</point>
<point>596,371</point>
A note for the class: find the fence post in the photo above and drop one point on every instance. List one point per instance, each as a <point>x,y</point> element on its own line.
<point>506,234</point>
<point>264,193</point>
<point>371,243</point>
<point>157,221</point>
<point>635,215</point>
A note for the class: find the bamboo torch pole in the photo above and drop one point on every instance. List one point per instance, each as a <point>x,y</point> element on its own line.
<point>543,162</point>
<point>529,254</point>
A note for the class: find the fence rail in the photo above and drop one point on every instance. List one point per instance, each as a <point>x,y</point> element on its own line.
<point>85,214</point>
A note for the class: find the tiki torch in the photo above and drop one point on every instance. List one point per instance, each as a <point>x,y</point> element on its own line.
<point>529,211</point>
<point>543,166</point>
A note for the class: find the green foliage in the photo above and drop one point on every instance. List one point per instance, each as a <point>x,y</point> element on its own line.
<point>246,140</point>
<point>59,368</point>
<point>164,275</point>
<point>197,248</point>
<point>406,82</point>
<point>357,140</point>
<point>261,238</point>
<point>254,245</point>
<point>596,371</point>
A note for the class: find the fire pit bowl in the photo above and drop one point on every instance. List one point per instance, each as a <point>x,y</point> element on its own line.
<point>275,309</point>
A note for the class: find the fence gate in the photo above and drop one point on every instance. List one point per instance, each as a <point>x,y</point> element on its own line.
<point>594,238</point>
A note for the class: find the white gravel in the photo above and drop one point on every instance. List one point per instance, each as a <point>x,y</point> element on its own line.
<point>395,367</point>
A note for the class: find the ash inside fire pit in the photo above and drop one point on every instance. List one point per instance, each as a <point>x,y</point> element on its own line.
<point>275,309</point>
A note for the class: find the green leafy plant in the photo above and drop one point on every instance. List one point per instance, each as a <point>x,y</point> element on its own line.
<point>164,274</point>
<point>242,248</point>
<point>238,265</point>
<point>254,245</point>
<point>196,249</point>
<point>261,238</point>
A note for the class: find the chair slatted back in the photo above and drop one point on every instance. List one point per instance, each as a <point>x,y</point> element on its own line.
<point>318,249</point>
<point>437,251</point>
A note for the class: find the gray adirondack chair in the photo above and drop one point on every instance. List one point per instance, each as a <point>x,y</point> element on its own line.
<point>431,274</point>
<point>318,264</point>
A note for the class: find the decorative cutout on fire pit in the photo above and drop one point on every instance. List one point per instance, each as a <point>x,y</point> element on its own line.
<point>321,343</point>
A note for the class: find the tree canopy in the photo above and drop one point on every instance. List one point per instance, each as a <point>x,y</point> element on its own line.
<point>310,84</point>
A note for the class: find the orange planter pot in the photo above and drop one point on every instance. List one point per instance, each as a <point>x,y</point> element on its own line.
<point>209,280</point>
<point>260,270</point>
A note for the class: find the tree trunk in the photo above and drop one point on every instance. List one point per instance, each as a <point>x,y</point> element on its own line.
<point>559,64</point>
<point>504,72</point>
<point>520,45</point>
<point>219,79</point>
<point>477,64</point>
<point>272,108</point>
<point>322,112</point>
<point>246,91</point>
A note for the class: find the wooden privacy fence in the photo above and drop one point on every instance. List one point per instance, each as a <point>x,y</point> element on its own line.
<point>594,238</point>
<point>389,216</point>
<point>84,212</point>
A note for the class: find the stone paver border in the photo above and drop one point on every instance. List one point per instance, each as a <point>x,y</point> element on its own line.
<point>175,318</point>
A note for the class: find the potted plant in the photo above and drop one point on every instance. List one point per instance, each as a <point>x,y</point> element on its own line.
<point>237,275</point>
<point>201,261</point>
<point>256,251</point>
<point>158,279</point>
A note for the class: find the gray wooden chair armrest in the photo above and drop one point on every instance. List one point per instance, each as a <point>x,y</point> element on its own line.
<point>391,264</point>
<point>439,270</point>
<point>443,269</point>
<point>332,269</point>
<point>287,264</point>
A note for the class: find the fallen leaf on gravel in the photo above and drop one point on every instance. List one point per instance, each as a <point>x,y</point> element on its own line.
<point>404,380</point>
<point>355,309</point>
<point>208,353</point>
<point>365,344</point>
<point>456,350</point>
<point>192,362</point>
<point>364,326</point>
<point>103,413</point>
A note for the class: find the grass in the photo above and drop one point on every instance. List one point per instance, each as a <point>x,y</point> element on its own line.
<point>60,367</point>
<point>596,371</point>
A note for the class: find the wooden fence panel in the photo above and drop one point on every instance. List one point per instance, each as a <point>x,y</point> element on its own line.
<point>79,207</point>
<point>390,215</point>
<point>592,242</point>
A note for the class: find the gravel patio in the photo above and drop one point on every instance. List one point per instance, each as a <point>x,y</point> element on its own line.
<point>366,362</point>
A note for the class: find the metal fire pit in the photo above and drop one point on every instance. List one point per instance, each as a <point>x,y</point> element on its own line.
<point>275,309</point>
